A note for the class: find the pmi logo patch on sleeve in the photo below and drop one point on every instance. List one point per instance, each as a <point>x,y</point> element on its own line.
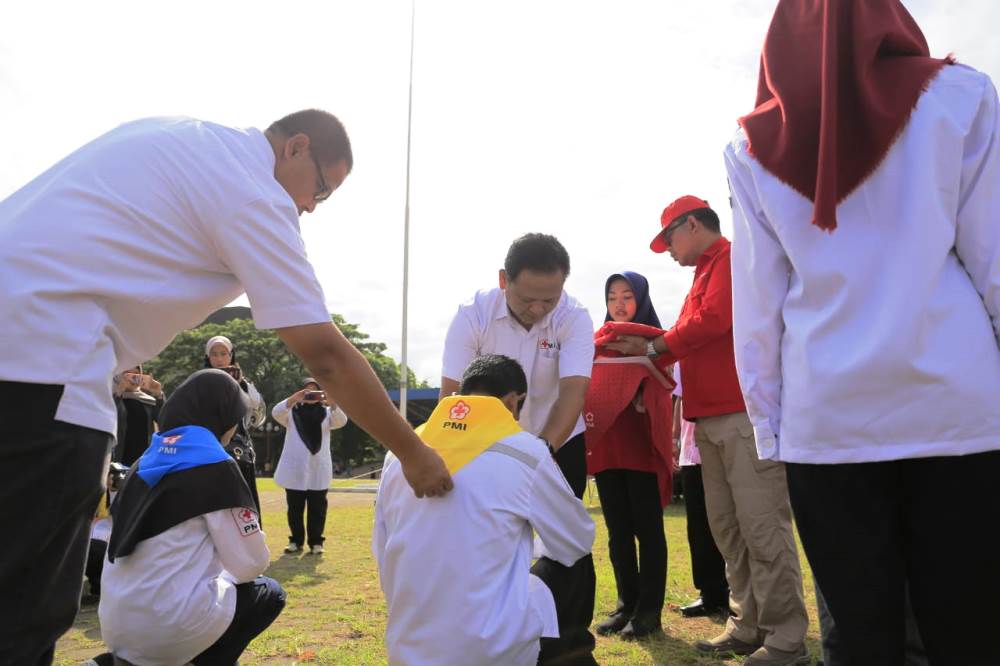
<point>246,520</point>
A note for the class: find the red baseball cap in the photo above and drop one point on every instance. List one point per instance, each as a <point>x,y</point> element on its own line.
<point>685,204</point>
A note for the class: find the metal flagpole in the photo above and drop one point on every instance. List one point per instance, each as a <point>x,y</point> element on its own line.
<point>403,369</point>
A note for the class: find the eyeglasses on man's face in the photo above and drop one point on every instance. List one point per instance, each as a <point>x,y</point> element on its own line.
<point>668,233</point>
<point>324,191</point>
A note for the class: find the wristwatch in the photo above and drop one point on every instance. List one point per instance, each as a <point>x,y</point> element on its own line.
<point>651,350</point>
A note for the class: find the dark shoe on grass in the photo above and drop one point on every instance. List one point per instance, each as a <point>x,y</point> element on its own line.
<point>642,627</point>
<point>701,608</point>
<point>726,644</point>
<point>617,620</point>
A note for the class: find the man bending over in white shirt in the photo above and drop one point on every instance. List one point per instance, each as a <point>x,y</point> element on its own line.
<point>455,570</point>
<point>195,214</point>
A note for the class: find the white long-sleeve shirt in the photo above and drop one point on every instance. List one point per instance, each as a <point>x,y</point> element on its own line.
<point>878,341</point>
<point>175,595</point>
<point>298,469</point>
<point>455,570</point>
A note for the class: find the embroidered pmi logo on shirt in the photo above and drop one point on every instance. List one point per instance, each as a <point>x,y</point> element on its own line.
<point>246,520</point>
<point>548,345</point>
<point>168,444</point>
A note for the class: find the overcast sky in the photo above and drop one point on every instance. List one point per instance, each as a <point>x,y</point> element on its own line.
<point>581,119</point>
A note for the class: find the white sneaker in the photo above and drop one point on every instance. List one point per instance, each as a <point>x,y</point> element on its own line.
<point>293,548</point>
<point>316,550</point>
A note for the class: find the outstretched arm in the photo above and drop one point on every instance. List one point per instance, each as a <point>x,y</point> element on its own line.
<point>346,376</point>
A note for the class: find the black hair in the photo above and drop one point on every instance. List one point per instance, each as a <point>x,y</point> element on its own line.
<point>706,216</point>
<point>495,375</point>
<point>540,253</point>
<point>328,139</point>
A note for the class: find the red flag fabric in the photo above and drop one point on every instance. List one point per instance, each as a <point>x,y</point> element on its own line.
<point>618,436</point>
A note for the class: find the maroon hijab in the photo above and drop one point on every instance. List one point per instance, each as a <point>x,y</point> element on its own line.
<point>838,81</point>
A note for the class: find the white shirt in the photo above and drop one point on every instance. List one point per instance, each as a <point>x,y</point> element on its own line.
<point>298,469</point>
<point>455,570</point>
<point>138,235</point>
<point>560,345</point>
<point>175,595</point>
<point>877,341</point>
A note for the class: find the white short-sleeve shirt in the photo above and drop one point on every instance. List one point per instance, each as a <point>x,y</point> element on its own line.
<point>560,345</point>
<point>136,236</point>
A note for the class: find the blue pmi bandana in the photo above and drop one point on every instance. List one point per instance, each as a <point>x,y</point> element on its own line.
<point>177,450</point>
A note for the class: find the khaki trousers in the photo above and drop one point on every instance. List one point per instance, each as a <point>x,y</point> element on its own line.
<point>751,520</point>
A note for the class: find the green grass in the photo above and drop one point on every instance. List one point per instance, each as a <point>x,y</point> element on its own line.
<point>336,614</point>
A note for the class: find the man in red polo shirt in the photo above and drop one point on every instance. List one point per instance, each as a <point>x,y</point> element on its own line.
<point>746,497</point>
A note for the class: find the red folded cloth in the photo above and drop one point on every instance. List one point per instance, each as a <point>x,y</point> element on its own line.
<point>617,435</point>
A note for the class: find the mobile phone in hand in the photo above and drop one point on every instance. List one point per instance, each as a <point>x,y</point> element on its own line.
<point>233,371</point>
<point>313,396</point>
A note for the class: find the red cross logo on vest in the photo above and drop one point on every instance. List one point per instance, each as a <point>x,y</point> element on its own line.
<point>459,411</point>
<point>246,515</point>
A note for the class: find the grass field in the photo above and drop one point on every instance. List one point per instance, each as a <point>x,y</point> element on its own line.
<point>336,614</point>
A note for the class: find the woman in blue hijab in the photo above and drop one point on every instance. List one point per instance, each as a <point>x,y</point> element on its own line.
<point>627,467</point>
<point>182,581</point>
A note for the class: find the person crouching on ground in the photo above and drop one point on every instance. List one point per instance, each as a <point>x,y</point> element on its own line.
<point>455,571</point>
<point>182,581</point>
<point>305,468</point>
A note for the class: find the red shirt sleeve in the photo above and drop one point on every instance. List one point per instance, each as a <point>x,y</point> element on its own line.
<point>707,314</point>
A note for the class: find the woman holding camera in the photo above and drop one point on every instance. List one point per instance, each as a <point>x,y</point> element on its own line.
<point>305,468</point>
<point>219,353</point>
<point>138,398</point>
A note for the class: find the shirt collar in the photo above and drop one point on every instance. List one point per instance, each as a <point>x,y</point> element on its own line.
<point>708,255</point>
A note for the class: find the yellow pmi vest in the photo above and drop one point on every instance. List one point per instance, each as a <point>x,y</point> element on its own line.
<point>463,426</point>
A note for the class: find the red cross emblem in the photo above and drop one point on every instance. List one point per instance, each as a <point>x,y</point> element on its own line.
<point>459,411</point>
<point>246,515</point>
<point>171,440</point>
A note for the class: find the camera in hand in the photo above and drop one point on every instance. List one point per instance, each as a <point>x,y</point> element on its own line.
<point>233,371</point>
<point>314,396</point>
<point>117,472</point>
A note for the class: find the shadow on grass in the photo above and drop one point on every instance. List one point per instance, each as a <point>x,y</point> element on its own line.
<point>297,570</point>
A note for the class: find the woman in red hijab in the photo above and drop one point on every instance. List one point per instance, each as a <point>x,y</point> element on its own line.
<point>866,342</point>
<point>629,453</point>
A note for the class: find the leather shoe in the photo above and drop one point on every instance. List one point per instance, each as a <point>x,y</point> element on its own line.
<point>726,644</point>
<point>698,608</point>
<point>641,627</point>
<point>617,620</point>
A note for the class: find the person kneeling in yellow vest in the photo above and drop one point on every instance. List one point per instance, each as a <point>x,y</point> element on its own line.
<point>455,570</point>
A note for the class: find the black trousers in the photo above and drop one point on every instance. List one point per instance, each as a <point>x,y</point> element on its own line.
<point>297,501</point>
<point>632,511</point>
<point>95,564</point>
<point>51,479</point>
<point>872,529</point>
<point>258,604</point>
<point>833,647</point>
<point>708,568</point>
<point>573,588</point>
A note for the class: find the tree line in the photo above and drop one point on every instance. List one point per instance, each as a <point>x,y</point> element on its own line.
<point>277,373</point>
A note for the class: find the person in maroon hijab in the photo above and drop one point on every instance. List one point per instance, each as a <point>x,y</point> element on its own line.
<point>866,310</point>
